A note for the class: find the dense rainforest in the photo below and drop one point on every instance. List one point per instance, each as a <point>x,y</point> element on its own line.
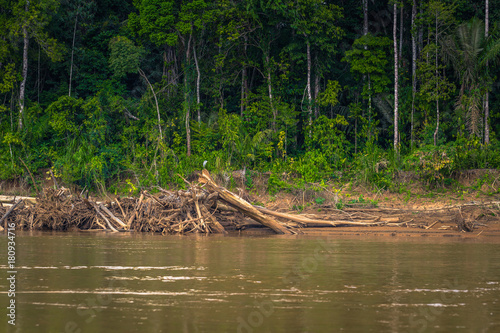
<point>107,94</point>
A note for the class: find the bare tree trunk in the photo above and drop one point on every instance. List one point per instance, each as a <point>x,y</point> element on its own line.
<point>198,77</point>
<point>309,95</point>
<point>170,69</point>
<point>316,91</point>
<point>487,97</point>
<point>437,87</point>
<point>38,76</point>
<point>369,108</point>
<point>72,53</point>
<point>141,72</point>
<point>365,17</point>
<point>396,82</point>
<point>401,29</point>
<point>220,72</point>
<point>420,44</point>
<point>186,98</point>
<point>244,80</point>
<point>437,122</point>
<point>22,87</point>
<point>413,69</point>
<point>356,135</point>
<point>270,91</point>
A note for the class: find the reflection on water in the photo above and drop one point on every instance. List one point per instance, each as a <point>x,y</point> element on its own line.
<point>149,283</point>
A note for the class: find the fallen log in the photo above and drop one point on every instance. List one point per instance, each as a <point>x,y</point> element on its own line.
<point>113,229</point>
<point>14,198</point>
<point>4,217</point>
<point>242,205</point>
<point>313,222</point>
<point>117,220</point>
<point>214,224</point>
<point>135,212</point>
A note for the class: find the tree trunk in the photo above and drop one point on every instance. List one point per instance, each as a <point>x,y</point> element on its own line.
<point>365,17</point>
<point>309,95</point>
<point>141,72</point>
<point>401,30</point>
<point>413,70</point>
<point>72,53</point>
<point>198,77</point>
<point>396,82</point>
<point>487,96</point>
<point>369,108</point>
<point>270,91</point>
<point>244,80</point>
<point>316,88</point>
<point>186,98</point>
<point>170,68</point>
<point>420,43</point>
<point>437,86</point>
<point>38,76</point>
<point>22,88</point>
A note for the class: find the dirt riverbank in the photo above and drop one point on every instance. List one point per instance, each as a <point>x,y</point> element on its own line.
<point>466,211</point>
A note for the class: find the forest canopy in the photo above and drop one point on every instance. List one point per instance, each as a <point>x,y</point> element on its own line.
<point>102,92</point>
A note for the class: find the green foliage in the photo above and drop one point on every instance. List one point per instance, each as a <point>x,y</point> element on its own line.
<point>252,70</point>
<point>313,166</point>
<point>432,163</point>
<point>372,167</point>
<point>66,116</point>
<point>125,56</point>
<point>330,95</point>
<point>319,200</point>
<point>370,56</point>
<point>328,139</point>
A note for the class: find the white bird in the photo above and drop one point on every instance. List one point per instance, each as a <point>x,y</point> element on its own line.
<point>204,163</point>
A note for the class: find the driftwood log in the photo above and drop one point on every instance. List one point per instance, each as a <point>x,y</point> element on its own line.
<point>242,205</point>
<point>4,217</point>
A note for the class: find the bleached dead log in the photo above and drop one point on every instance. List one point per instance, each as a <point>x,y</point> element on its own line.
<point>242,205</point>
<point>14,198</point>
<point>313,222</point>
<point>117,220</point>
<point>4,217</point>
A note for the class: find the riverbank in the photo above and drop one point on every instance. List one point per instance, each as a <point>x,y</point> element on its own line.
<point>470,209</point>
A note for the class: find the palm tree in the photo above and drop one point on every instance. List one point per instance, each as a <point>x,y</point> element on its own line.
<point>469,50</point>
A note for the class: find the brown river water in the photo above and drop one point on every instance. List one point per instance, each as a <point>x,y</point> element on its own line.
<point>86,282</point>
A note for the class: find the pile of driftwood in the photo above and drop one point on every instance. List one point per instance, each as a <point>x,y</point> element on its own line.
<point>204,207</point>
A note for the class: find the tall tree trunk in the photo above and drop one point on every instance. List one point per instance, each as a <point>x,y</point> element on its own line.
<point>316,90</point>
<point>437,86</point>
<point>396,83</point>
<point>487,97</point>
<point>413,70</point>
<point>309,95</point>
<point>187,105</point>
<point>244,80</point>
<point>370,108</point>
<point>401,30</point>
<point>270,90</point>
<point>365,17</point>
<point>198,77</point>
<point>170,67</point>
<point>22,87</point>
<point>38,76</point>
<point>420,43</point>
<point>141,73</point>
<point>72,52</point>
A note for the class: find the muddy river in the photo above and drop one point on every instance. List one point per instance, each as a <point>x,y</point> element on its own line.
<point>86,282</point>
